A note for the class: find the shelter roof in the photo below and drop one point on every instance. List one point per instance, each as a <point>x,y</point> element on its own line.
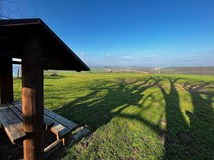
<point>57,55</point>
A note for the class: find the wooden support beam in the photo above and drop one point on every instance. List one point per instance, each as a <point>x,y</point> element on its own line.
<point>53,147</point>
<point>33,98</point>
<point>6,80</point>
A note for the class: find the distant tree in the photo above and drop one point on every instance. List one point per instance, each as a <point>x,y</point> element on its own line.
<point>54,73</point>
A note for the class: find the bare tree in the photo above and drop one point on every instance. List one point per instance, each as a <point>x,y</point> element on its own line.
<point>8,9</point>
<point>4,9</point>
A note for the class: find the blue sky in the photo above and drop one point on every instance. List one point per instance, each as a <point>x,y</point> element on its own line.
<point>131,32</point>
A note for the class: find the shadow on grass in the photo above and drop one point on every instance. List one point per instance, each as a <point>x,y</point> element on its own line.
<point>182,140</point>
<point>95,110</point>
<point>202,117</point>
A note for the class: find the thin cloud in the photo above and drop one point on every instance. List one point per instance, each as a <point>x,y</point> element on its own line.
<point>185,59</point>
<point>127,57</point>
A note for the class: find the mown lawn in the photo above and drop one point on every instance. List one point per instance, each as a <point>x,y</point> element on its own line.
<point>135,116</point>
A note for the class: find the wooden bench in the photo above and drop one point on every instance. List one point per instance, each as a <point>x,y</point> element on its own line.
<point>11,119</point>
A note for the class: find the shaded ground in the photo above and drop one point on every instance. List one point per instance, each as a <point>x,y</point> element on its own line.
<point>8,151</point>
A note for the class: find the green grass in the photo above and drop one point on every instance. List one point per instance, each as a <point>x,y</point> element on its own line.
<point>135,116</point>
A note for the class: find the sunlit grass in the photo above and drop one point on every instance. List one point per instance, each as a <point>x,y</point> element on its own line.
<point>135,116</point>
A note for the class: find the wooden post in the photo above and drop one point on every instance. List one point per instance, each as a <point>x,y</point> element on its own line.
<point>33,98</point>
<point>67,139</point>
<point>6,80</point>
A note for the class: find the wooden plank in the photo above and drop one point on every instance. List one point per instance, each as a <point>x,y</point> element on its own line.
<point>15,110</point>
<point>52,148</point>
<point>81,133</point>
<point>12,124</point>
<point>48,122</point>
<point>62,127</point>
<point>58,128</point>
<point>65,122</point>
<point>17,103</point>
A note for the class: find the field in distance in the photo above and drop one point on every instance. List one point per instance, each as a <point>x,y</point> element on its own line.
<point>135,116</point>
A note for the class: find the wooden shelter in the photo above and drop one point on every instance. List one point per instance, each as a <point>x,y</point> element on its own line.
<point>32,41</point>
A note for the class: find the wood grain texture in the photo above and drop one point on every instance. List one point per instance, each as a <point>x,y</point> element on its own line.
<point>62,120</point>
<point>48,122</point>
<point>15,110</point>
<point>29,109</point>
<point>33,97</point>
<point>58,122</point>
<point>12,124</point>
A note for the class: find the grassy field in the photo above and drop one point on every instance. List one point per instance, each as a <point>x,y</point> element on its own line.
<point>135,116</point>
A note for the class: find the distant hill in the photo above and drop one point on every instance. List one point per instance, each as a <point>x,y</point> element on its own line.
<point>146,70</point>
<point>120,69</point>
<point>189,70</point>
<point>209,70</point>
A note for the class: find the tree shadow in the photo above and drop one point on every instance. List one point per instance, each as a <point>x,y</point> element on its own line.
<point>95,111</point>
<point>202,117</point>
<point>194,140</point>
<point>182,139</point>
<point>176,125</point>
